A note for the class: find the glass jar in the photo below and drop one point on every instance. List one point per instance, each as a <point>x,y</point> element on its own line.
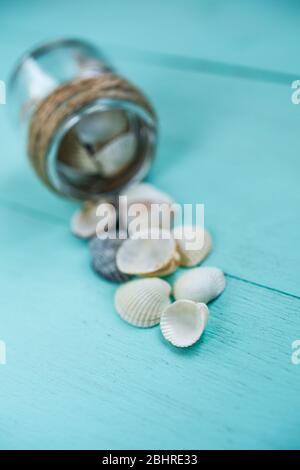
<point>89,132</point>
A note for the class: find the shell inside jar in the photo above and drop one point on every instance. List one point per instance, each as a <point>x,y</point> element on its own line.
<point>102,144</point>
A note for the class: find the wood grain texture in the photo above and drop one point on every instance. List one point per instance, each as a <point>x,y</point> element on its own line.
<point>76,375</point>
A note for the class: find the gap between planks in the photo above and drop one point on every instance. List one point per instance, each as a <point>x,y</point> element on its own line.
<point>263,286</point>
<point>207,66</point>
<point>48,218</point>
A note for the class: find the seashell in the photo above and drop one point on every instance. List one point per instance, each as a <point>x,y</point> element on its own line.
<point>75,156</point>
<point>193,244</point>
<point>200,284</point>
<point>104,258</point>
<point>116,155</point>
<point>85,221</point>
<point>183,322</point>
<point>101,127</point>
<point>73,175</point>
<point>79,147</point>
<point>156,216</point>
<point>167,270</point>
<point>146,207</point>
<point>142,301</point>
<point>145,192</point>
<point>148,254</point>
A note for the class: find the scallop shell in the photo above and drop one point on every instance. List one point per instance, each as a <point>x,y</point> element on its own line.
<point>141,302</point>
<point>200,284</point>
<point>84,222</point>
<point>116,155</point>
<point>145,256</point>
<point>193,244</point>
<point>104,258</point>
<point>183,322</point>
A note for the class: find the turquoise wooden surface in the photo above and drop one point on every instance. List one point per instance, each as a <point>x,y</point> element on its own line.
<point>76,376</point>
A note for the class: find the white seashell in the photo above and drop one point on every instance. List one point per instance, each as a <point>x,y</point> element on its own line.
<point>116,155</point>
<point>79,147</point>
<point>146,220</point>
<point>101,127</point>
<point>193,244</point>
<point>75,156</point>
<point>141,302</point>
<point>183,322</point>
<point>145,192</point>
<point>158,210</point>
<point>85,221</point>
<point>74,176</point>
<point>146,255</point>
<point>200,284</point>
<point>171,267</point>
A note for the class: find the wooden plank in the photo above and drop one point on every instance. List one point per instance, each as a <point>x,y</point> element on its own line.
<point>228,143</point>
<point>255,34</point>
<point>78,377</point>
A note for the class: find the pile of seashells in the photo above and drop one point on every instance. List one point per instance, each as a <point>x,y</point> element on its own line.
<point>145,301</point>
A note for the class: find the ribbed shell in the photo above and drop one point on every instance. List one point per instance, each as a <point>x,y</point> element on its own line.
<point>103,254</point>
<point>183,322</point>
<point>142,301</point>
<point>200,284</point>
